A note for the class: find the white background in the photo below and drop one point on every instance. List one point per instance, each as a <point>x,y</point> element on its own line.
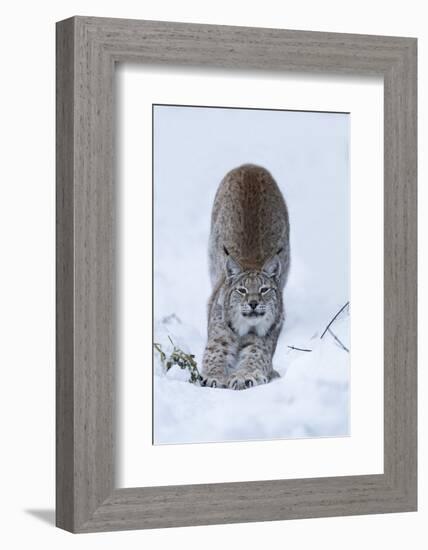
<point>311,457</point>
<point>27,289</point>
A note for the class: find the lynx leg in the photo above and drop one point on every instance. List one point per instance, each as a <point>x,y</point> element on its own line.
<point>219,357</point>
<point>254,368</point>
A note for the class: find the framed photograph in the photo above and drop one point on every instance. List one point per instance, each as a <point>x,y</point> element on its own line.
<point>236,274</point>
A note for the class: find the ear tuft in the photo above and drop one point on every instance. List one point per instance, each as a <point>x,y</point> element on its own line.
<point>232,267</point>
<point>272,267</point>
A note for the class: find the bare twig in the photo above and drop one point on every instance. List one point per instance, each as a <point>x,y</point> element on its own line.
<point>334,318</point>
<point>341,344</point>
<point>298,349</point>
<point>162,354</point>
<point>328,329</point>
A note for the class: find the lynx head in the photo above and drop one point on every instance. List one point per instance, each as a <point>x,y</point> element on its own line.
<point>253,299</point>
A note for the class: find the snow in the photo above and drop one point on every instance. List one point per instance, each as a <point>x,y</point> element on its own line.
<point>307,153</point>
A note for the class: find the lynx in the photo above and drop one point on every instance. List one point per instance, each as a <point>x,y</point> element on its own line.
<point>249,258</point>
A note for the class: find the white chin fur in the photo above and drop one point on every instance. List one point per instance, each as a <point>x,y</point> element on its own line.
<point>243,325</point>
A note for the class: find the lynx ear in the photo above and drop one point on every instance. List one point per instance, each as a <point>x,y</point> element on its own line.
<point>232,267</point>
<point>272,267</point>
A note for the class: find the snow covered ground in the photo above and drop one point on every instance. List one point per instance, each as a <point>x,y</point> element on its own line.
<point>307,153</point>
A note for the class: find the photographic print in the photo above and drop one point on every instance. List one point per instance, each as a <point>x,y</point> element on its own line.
<point>251,311</point>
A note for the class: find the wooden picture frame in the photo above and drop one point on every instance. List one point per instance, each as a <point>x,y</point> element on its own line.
<point>87,50</point>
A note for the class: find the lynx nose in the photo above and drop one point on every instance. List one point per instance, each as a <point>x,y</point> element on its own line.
<point>253,304</point>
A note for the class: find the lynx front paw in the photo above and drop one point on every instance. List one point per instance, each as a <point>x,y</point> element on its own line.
<point>213,381</point>
<point>244,380</point>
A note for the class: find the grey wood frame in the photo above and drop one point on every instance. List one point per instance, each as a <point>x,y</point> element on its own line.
<point>87,50</point>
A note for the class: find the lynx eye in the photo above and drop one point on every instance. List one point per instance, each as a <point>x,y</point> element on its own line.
<point>264,290</point>
<point>242,290</point>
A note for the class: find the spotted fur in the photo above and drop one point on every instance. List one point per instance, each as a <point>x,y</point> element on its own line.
<point>249,256</point>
